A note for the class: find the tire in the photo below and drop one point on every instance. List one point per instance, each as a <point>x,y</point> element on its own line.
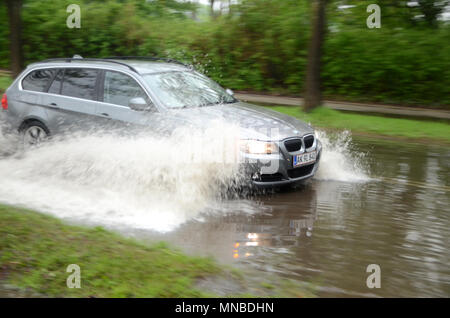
<point>33,133</point>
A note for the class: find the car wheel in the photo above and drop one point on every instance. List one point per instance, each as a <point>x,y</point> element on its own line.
<point>33,134</point>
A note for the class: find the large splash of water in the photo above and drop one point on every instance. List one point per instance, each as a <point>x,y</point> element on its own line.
<point>143,182</point>
<point>340,162</point>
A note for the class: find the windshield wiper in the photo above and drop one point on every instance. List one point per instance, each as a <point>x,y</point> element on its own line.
<point>210,104</point>
<point>221,102</point>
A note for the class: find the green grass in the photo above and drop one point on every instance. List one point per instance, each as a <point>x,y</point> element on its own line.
<point>36,249</point>
<point>5,81</point>
<point>363,123</point>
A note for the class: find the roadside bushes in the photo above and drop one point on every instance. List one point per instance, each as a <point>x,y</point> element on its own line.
<point>261,46</point>
<point>407,66</point>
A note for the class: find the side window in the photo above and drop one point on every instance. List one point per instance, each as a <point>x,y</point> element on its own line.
<point>120,88</point>
<point>55,87</point>
<point>38,80</point>
<point>79,83</point>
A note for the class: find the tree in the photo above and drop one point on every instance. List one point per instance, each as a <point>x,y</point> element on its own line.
<point>15,32</point>
<point>313,94</point>
<point>431,10</point>
<point>212,8</point>
<point>194,9</point>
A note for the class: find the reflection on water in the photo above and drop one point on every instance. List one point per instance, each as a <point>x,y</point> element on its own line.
<point>329,232</point>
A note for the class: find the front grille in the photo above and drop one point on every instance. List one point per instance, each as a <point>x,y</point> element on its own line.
<point>300,171</point>
<point>293,145</point>
<point>271,177</point>
<point>309,141</point>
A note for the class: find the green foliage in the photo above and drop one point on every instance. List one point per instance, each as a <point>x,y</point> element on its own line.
<point>5,81</point>
<point>4,33</point>
<point>430,9</point>
<point>261,46</point>
<point>395,66</point>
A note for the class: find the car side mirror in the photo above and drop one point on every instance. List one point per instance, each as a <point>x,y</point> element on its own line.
<point>138,104</point>
<point>229,92</point>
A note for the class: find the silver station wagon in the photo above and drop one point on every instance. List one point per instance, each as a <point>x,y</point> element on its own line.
<point>56,95</point>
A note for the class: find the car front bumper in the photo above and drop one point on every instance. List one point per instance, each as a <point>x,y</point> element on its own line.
<point>277,169</point>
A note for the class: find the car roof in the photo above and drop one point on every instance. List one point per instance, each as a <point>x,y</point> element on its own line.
<point>146,67</point>
<point>138,66</point>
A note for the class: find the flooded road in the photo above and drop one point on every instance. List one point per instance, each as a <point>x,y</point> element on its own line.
<point>373,201</point>
<point>328,232</point>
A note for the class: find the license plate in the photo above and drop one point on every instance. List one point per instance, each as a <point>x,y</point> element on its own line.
<point>304,158</point>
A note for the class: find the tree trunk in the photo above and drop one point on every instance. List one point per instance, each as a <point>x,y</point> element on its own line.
<point>212,8</point>
<point>313,96</point>
<point>15,31</point>
<point>194,10</point>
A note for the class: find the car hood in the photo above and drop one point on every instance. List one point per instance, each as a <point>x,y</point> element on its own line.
<point>254,121</point>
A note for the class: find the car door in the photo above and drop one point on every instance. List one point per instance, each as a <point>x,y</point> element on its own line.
<point>116,90</point>
<point>72,98</point>
<point>31,102</point>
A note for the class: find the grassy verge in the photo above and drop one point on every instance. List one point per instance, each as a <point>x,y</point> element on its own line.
<point>372,124</point>
<point>5,81</point>
<point>35,251</point>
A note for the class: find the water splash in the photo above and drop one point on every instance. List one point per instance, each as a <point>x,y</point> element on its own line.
<point>143,182</point>
<point>339,161</point>
<point>8,140</point>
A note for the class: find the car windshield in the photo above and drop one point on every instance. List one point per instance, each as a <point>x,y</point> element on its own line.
<point>187,89</point>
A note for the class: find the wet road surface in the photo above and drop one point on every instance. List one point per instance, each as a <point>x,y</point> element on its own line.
<point>328,232</point>
<point>373,201</point>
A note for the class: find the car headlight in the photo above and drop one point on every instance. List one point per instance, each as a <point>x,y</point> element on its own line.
<point>258,147</point>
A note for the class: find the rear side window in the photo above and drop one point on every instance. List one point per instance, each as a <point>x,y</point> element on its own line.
<point>120,88</point>
<point>80,83</point>
<point>38,80</point>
